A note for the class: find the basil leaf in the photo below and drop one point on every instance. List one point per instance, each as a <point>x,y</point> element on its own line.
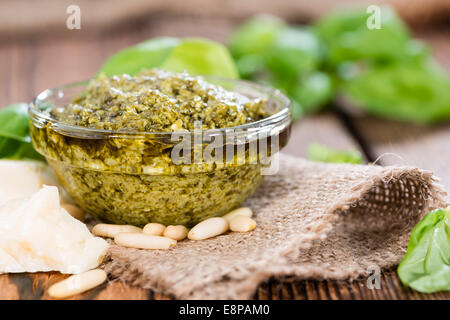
<point>201,57</point>
<point>194,55</point>
<point>348,38</point>
<point>145,55</point>
<point>255,36</point>
<point>252,42</point>
<point>295,51</point>
<point>426,265</point>
<point>15,142</point>
<point>321,153</point>
<point>407,92</point>
<point>313,91</point>
<point>251,65</point>
<point>286,57</point>
<point>17,150</point>
<point>14,122</point>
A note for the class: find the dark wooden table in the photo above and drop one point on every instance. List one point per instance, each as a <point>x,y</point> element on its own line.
<point>31,64</point>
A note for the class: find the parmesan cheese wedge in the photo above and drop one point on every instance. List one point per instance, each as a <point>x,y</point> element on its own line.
<point>36,234</point>
<point>21,179</point>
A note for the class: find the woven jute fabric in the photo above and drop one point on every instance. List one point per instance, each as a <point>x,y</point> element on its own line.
<point>315,221</point>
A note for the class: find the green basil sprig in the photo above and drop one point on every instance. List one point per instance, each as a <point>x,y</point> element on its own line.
<point>195,55</point>
<point>15,142</point>
<point>148,54</point>
<point>426,265</point>
<point>348,38</point>
<point>321,153</point>
<point>406,92</point>
<point>286,57</point>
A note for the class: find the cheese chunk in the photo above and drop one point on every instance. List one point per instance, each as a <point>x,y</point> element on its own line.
<point>20,179</point>
<point>36,234</point>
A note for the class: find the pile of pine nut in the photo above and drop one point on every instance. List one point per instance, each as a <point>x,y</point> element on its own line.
<point>159,236</point>
<point>152,236</point>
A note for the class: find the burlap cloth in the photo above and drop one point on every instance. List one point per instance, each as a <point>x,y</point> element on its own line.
<point>315,221</point>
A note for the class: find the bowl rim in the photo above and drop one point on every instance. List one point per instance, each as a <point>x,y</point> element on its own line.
<point>278,118</point>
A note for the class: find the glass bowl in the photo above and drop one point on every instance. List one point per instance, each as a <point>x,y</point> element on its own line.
<point>166,177</point>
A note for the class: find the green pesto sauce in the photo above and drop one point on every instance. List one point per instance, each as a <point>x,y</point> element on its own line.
<point>159,101</point>
<point>134,181</point>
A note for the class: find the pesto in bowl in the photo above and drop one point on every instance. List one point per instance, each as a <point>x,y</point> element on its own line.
<point>112,144</point>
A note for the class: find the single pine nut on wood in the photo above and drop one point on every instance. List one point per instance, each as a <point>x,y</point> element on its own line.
<point>208,228</point>
<point>154,229</point>
<point>242,224</point>
<point>111,230</point>
<point>176,232</point>
<point>74,211</point>
<point>77,284</point>
<point>143,241</point>
<point>244,211</point>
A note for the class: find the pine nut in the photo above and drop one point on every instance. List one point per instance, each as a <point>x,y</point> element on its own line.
<point>77,284</point>
<point>143,241</point>
<point>244,211</point>
<point>242,224</point>
<point>208,228</point>
<point>74,211</point>
<point>154,229</point>
<point>111,230</point>
<point>176,232</point>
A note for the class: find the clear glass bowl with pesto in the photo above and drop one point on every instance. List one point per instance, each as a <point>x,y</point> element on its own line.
<point>159,147</point>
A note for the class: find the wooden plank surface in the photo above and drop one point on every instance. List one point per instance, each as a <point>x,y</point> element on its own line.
<point>325,128</point>
<point>396,143</point>
<point>34,286</point>
<point>31,65</point>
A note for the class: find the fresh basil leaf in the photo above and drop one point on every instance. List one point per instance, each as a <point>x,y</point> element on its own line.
<point>255,36</point>
<point>15,142</point>
<point>348,38</point>
<point>251,65</point>
<point>282,85</point>
<point>407,92</point>
<point>426,265</point>
<point>286,57</point>
<point>308,93</point>
<point>201,57</point>
<point>17,150</point>
<point>321,153</point>
<point>295,51</point>
<point>312,91</point>
<point>145,55</point>
<point>14,122</point>
<point>194,55</point>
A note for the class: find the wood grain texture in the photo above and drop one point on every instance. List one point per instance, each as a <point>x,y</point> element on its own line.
<point>325,128</point>
<point>30,65</point>
<point>8,290</point>
<point>395,143</point>
<point>34,286</point>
